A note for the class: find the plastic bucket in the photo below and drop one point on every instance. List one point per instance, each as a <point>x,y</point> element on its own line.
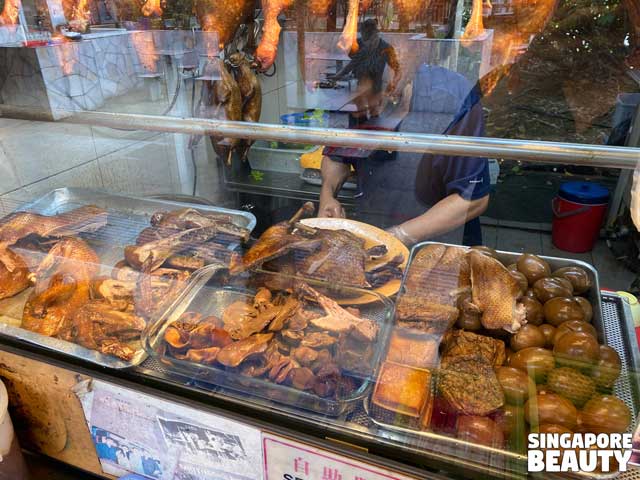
<point>12,466</point>
<point>578,212</point>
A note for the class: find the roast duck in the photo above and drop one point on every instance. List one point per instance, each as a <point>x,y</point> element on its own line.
<point>336,255</point>
<point>72,301</point>
<point>24,234</point>
<point>299,338</point>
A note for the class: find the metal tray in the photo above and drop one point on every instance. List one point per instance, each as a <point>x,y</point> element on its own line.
<point>211,299</point>
<point>507,258</point>
<point>612,330</point>
<point>127,217</point>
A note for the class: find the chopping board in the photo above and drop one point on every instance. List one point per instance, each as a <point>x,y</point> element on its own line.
<point>372,236</point>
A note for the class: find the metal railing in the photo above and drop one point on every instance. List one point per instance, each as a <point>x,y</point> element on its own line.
<point>526,150</point>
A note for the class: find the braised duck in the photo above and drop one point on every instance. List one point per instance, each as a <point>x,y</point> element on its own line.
<point>495,292</point>
<point>99,326</point>
<point>62,285</point>
<point>251,92</point>
<point>16,262</point>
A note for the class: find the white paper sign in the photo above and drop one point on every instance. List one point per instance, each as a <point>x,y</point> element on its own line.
<point>286,459</point>
<point>139,433</point>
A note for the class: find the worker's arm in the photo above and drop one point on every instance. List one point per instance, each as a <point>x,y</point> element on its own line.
<point>334,174</point>
<point>346,70</point>
<point>448,214</point>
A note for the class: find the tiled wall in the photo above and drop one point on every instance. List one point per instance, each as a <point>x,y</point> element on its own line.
<point>37,157</point>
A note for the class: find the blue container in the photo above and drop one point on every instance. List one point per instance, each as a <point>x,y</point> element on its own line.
<point>305,119</point>
<point>585,193</point>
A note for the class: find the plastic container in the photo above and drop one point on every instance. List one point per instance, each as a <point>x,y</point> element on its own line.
<point>12,466</point>
<point>310,118</point>
<point>578,212</point>
<point>285,160</point>
<point>208,295</point>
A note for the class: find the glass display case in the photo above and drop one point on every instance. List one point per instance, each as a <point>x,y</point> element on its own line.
<point>408,226</point>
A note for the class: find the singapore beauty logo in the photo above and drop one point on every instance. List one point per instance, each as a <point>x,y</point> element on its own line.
<point>574,452</point>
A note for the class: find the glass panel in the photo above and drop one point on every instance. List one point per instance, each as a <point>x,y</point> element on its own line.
<point>390,218</point>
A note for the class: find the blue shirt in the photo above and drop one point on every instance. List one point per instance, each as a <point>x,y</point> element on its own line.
<point>399,186</point>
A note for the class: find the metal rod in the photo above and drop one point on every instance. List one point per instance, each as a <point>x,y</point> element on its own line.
<point>533,151</point>
<point>526,150</point>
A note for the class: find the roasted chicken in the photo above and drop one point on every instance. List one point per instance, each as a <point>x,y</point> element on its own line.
<point>268,48</point>
<point>20,224</point>
<point>63,285</point>
<point>223,17</point>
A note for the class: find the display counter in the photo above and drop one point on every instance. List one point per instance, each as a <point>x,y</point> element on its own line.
<point>324,300</point>
<point>152,334</point>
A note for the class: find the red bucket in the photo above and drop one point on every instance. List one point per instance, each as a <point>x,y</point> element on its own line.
<point>578,212</point>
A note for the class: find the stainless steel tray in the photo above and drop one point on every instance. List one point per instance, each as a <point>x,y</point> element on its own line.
<point>127,217</point>
<point>612,330</point>
<point>507,258</point>
<point>213,299</point>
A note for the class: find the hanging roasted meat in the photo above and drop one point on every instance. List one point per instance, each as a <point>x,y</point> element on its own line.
<point>320,8</point>
<point>268,48</point>
<point>223,17</point>
<point>223,101</point>
<point>152,8</point>
<point>251,92</point>
<point>409,11</point>
<point>63,284</point>
<point>10,12</point>
<point>348,42</point>
<point>475,27</point>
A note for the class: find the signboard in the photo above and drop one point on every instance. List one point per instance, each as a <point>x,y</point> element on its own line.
<point>286,459</point>
<point>139,433</point>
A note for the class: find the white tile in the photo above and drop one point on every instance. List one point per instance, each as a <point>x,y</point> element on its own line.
<point>41,149</point>
<point>85,176</point>
<point>109,140</point>
<point>8,174</point>
<point>143,168</point>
